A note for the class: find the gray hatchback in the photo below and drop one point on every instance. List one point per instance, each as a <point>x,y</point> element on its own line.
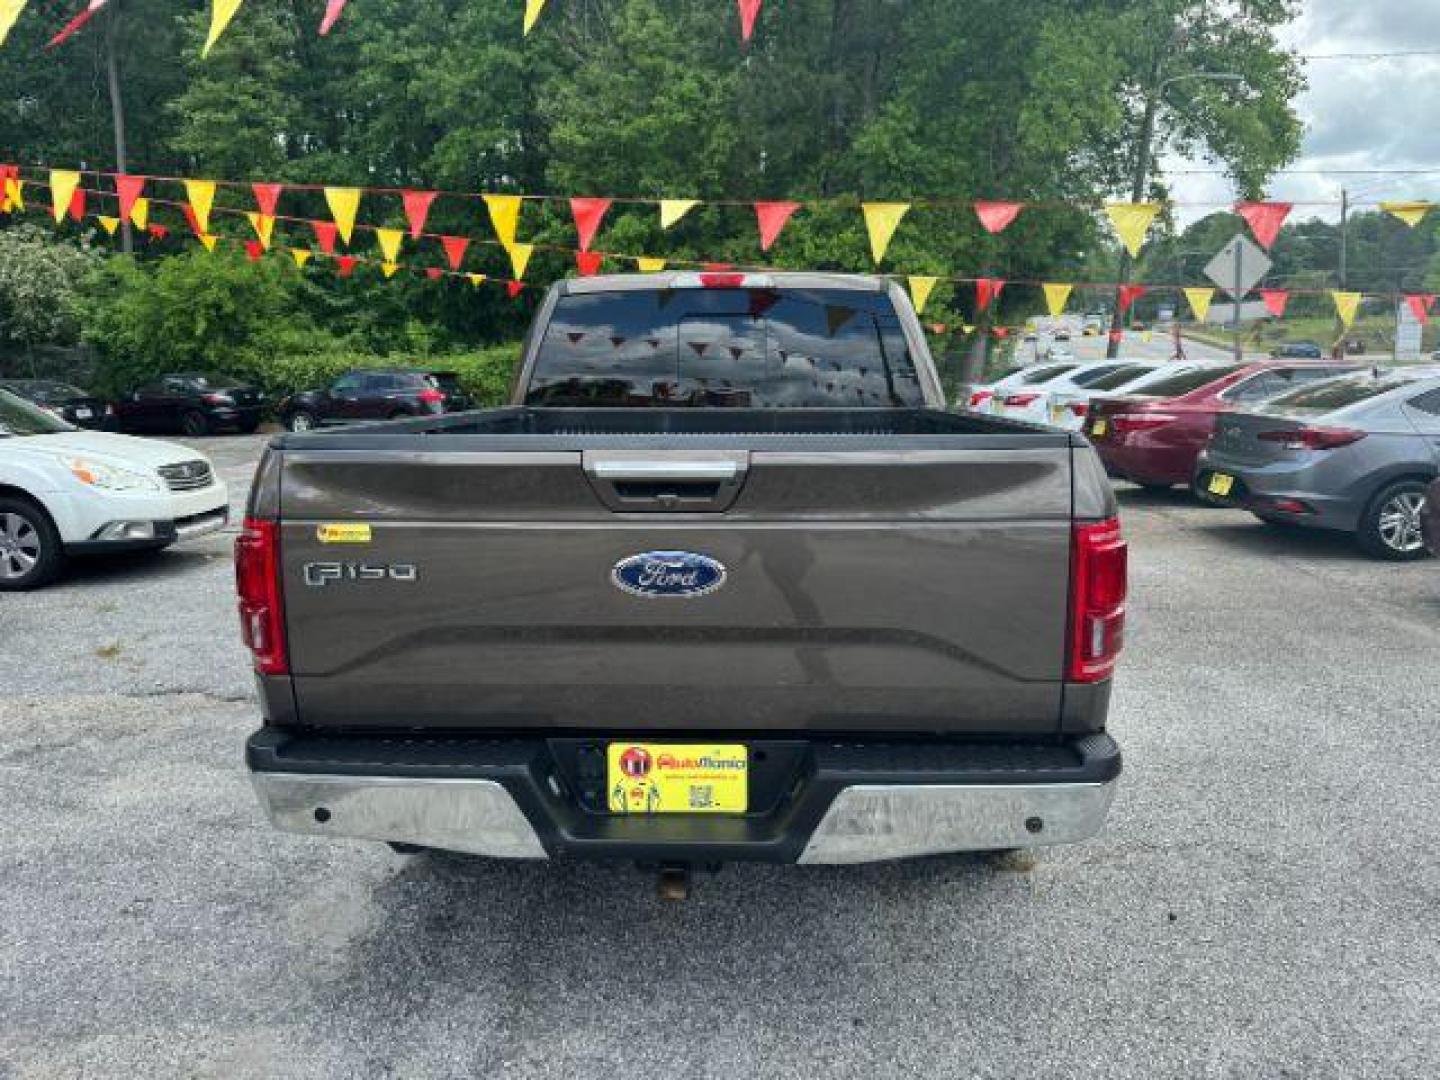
<point>1353,453</point>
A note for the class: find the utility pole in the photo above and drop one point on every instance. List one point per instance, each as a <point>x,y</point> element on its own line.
<point>117,109</point>
<point>1137,193</point>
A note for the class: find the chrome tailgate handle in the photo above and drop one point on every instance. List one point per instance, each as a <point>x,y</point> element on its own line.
<point>644,483</point>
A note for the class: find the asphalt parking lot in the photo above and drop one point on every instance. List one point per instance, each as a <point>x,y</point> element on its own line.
<point>1263,903</point>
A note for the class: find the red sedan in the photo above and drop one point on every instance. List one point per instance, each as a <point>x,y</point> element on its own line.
<point>1154,440</point>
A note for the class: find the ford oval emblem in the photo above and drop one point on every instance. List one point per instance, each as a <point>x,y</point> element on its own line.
<point>681,574</point>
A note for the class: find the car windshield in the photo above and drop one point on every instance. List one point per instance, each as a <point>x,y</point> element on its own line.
<point>18,418</point>
<point>1094,375</point>
<point>1045,374</point>
<point>1116,379</point>
<point>1177,385</point>
<point>45,391</point>
<point>445,380</point>
<point>725,347</point>
<point>1334,394</point>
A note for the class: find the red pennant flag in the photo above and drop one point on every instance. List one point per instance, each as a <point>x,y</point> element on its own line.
<point>73,26</point>
<point>433,272</point>
<point>333,8</point>
<point>345,263</point>
<point>159,232</point>
<point>454,249</point>
<point>128,188</point>
<point>749,12</point>
<point>1129,294</point>
<point>588,262</point>
<point>1264,219</point>
<point>326,232</point>
<point>514,288</point>
<point>1001,331</point>
<point>191,219</point>
<point>266,197</point>
<point>588,214</point>
<point>417,209</point>
<point>987,291</point>
<point>1275,301</point>
<point>772,217</point>
<point>253,250</point>
<point>1421,305</point>
<point>997,216</point>
<point>77,205</point>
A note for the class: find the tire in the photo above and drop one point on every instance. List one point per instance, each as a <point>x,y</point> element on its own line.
<point>195,424</point>
<point>301,420</point>
<point>31,554</point>
<point>1390,527</point>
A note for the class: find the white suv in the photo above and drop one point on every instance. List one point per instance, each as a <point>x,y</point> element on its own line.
<point>64,491</point>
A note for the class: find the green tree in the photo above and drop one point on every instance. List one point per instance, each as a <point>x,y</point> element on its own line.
<point>40,280</point>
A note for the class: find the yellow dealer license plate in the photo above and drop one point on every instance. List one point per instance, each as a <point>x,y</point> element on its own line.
<point>1101,426</point>
<point>1220,484</point>
<point>1057,413</point>
<point>670,778</point>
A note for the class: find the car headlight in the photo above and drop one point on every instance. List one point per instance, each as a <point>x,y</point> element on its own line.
<point>110,477</point>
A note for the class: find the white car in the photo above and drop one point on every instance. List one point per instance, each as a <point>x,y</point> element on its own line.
<point>1031,402</point>
<point>986,397</point>
<point>65,491</point>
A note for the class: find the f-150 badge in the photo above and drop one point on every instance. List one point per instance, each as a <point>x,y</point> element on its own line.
<point>666,574</point>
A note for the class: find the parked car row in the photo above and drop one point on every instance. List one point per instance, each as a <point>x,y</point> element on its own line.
<point>198,403</point>
<point>1306,443</point>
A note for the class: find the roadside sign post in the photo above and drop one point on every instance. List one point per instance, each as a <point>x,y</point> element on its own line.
<point>1408,332</point>
<point>1236,269</point>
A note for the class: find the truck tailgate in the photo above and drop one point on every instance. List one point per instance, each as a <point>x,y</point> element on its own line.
<point>920,588</point>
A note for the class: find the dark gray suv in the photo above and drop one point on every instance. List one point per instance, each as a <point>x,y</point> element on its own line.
<point>1354,453</point>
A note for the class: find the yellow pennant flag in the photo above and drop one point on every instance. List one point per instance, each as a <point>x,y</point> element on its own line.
<point>208,239</point>
<point>109,224</point>
<point>1347,306</point>
<point>532,13</point>
<point>140,213</point>
<point>9,11</point>
<point>389,241</point>
<point>520,258</point>
<point>649,266</point>
<point>264,226</point>
<point>476,279</point>
<point>1199,301</point>
<point>14,194</point>
<point>920,290</point>
<point>881,221</point>
<point>221,12</point>
<point>1056,297</point>
<point>1411,213</point>
<point>672,210</point>
<point>301,256</point>
<point>201,194</point>
<point>504,216</point>
<point>388,268</point>
<point>63,183</point>
<point>344,204</point>
<point>1132,221</point>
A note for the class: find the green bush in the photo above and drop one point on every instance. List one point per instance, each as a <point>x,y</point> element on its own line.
<point>255,321</point>
<point>40,280</point>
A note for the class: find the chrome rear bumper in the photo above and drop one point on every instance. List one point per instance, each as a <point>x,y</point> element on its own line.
<point>875,823</point>
<point>864,823</point>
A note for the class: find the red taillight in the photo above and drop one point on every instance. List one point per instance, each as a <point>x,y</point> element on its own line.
<point>432,396</point>
<point>1126,423</point>
<point>1098,581</point>
<point>1312,438</point>
<point>1079,408</point>
<point>979,397</point>
<point>262,607</point>
<point>722,281</point>
<point>215,399</point>
<point>1020,401</point>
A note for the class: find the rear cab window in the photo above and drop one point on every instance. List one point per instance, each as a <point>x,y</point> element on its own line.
<point>740,347</point>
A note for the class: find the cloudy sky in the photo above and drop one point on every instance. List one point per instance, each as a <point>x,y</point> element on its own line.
<point>1358,114</point>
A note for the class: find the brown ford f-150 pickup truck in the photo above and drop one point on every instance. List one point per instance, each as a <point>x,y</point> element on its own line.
<point>725,581</point>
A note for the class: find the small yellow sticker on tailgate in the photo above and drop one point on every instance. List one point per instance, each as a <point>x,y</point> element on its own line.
<point>1220,484</point>
<point>343,534</point>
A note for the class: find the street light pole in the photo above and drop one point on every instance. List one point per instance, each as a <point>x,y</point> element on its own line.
<point>1142,173</point>
<point>117,109</point>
